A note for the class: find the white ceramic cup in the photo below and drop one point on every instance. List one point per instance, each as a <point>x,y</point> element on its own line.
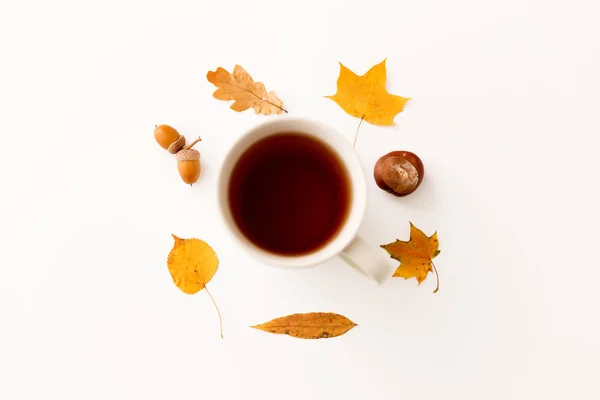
<point>346,243</point>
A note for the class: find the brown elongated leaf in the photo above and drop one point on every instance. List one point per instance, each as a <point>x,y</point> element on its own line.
<point>240,87</point>
<point>316,325</point>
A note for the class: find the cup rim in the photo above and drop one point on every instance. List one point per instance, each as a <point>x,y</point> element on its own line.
<point>357,208</point>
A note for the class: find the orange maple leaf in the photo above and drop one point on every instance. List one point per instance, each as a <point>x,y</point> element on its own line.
<point>415,255</point>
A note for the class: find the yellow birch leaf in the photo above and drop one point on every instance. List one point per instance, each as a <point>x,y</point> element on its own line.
<point>365,96</point>
<point>415,255</point>
<point>192,264</point>
<point>240,87</point>
<point>315,325</point>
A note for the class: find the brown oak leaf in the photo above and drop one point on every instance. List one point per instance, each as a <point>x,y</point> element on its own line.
<point>246,93</point>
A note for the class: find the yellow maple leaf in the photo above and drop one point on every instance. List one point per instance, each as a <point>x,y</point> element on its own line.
<point>240,87</point>
<point>415,256</point>
<point>365,96</point>
<point>316,325</point>
<point>192,264</point>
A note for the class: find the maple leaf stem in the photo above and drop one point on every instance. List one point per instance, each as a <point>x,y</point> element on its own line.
<point>357,128</point>
<point>218,312</point>
<point>189,146</point>
<point>437,277</point>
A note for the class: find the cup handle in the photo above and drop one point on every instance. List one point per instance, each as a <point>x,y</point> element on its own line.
<point>367,260</point>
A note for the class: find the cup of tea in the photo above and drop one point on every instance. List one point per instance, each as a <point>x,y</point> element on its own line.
<point>293,194</point>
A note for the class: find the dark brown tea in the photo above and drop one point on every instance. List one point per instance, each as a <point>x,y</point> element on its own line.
<point>289,194</point>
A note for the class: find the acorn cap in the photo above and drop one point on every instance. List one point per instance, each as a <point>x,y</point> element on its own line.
<point>177,145</point>
<point>187,155</point>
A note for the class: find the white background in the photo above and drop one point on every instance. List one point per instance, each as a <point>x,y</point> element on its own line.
<point>504,115</point>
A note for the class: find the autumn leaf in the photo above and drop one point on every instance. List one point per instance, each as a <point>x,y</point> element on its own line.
<point>365,96</point>
<point>192,264</point>
<point>315,325</point>
<point>240,87</point>
<point>415,256</point>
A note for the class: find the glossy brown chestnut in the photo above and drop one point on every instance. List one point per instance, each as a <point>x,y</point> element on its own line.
<point>399,172</point>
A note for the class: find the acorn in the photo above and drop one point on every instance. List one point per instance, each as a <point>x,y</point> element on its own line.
<point>188,165</point>
<point>168,138</point>
<point>399,173</point>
